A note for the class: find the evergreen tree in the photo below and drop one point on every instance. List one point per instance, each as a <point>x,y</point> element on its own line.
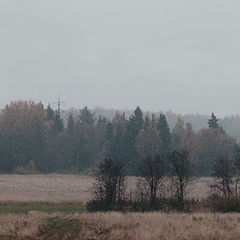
<point>213,122</point>
<point>70,125</point>
<point>86,146</point>
<point>86,116</point>
<point>117,146</point>
<point>58,124</point>
<point>135,124</point>
<point>50,113</point>
<point>101,129</point>
<point>165,134</point>
<point>137,119</point>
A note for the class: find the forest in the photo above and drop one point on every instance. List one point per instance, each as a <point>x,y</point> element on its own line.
<point>36,139</point>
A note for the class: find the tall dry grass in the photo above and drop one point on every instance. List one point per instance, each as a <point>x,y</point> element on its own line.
<point>106,226</point>
<point>159,226</point>
<point>21,225</point>
<point>132,226</point>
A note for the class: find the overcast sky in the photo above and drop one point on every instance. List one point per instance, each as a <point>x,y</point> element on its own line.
<point>174,55</point>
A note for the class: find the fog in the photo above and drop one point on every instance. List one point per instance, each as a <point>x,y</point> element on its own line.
<point>162,55</point>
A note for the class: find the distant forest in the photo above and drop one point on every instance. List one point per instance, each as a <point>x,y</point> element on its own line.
<point>34,138</point>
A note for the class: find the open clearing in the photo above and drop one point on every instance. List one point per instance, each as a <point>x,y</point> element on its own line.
<point>55,188</point>
<point>51,207</point>
<point>45,188</point>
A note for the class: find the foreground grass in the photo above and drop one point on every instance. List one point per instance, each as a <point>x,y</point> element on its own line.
<point>21,208</point>
<point>60,228</point>
<point>47,228</point>
<point>119,226</point>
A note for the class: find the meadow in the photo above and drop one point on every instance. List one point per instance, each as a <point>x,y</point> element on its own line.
<point>57,188</point>
<point>52,207</point>
<point>120,226</point>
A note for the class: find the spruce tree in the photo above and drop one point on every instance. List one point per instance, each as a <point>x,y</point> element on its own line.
<point>55,117</point>
<point>135,124</point>
<point>165,135</point>
<point>70,125</point>
<point>117,146</point>
<point>58,124</point>
<point>86,137</point>
<point>50,113</point>
<point>86,116</point>
<point>137,119</point>
<point>213,122</point>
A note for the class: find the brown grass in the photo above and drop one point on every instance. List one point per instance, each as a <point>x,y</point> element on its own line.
<point>117,226</point>
<point>104,226</point>
<point>58,188</point>
<point>21,225</point>
<point>134,226</point>
<point>45,188</point>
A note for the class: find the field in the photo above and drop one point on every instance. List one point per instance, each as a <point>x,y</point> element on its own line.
<point>53,188</point>
<point>56,188</point>
<point>119,226</point>
<point>51,207</point>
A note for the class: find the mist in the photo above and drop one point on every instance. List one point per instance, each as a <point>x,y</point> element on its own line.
<point>162,55</point>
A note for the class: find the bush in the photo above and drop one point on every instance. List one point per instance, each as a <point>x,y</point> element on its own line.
<point>102,206</point>
<point>224,204</point>
<point>163,204</point>
<point>109,185</point>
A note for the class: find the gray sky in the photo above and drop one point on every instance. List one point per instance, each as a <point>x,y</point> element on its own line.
<point>174,55</point>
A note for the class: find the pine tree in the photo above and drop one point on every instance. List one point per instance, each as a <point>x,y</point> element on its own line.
<point>213,122</point>
<point>137,119</point>
<point>50,113</point>
<point>86,139</point>
<point>135,124</point>
<point>117,146</point>
<point>87,116</point>
<point>70,125</point>
<point>165,134</point>
<point>58,124</point>
<point>55,117</point>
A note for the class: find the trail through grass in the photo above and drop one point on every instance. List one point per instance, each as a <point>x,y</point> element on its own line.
<point>61,229</point>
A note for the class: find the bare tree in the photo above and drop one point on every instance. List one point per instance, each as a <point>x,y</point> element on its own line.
<point>152,172</point>
<point>224,177</point>
<point>109,186</point>
<point>181,174</point>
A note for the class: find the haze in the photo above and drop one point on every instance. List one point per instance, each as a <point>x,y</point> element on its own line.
<point>162,55</point>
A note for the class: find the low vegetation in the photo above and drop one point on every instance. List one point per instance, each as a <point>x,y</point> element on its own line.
<point>118,226</point>
<point>29,220</point>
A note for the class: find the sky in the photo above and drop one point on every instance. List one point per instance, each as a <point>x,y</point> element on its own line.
<point>182,56</point>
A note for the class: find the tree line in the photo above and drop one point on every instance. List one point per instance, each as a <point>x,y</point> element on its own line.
<point>34,138</point>
<point>163,184</point>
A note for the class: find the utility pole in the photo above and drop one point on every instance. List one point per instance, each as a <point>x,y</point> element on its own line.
<point>59,104</point>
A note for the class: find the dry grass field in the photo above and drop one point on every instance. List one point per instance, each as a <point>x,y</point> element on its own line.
<point>45,188</point>
<point>119,226</point>
<point>64,188</point>
<point>55,220</point>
